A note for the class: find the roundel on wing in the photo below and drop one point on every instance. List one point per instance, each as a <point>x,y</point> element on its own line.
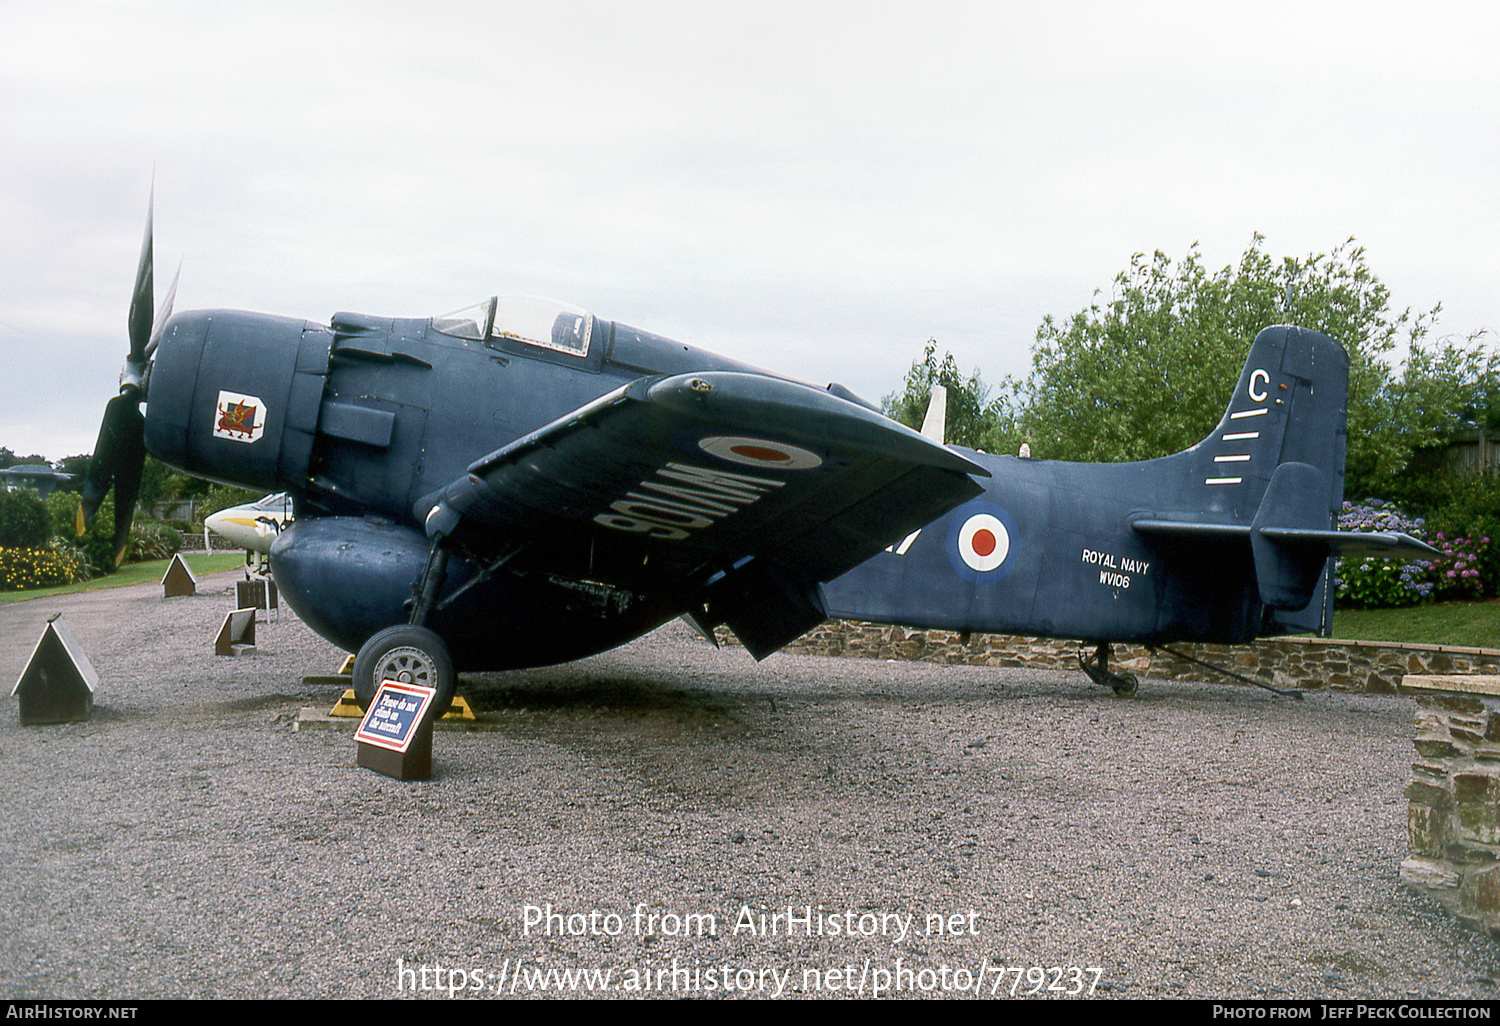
<point>759,452</point>
<point>981,537</point>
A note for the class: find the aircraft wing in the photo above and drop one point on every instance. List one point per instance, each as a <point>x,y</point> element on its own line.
<point>736,494</point>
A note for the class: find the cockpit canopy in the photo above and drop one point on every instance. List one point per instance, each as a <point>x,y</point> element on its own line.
<point>536,322</point>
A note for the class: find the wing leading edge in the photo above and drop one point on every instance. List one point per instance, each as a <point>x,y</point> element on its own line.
<point>731,496</point>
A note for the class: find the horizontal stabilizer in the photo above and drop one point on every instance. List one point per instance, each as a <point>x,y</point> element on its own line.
<point>1289,561</point>
<point>1373,545</point>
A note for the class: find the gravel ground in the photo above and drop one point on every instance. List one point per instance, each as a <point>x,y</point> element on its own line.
<point>1196,841</point>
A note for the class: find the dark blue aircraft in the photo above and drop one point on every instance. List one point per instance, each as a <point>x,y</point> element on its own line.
<point>521,483</point>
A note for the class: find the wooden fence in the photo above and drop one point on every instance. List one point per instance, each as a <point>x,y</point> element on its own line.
<point>1472,452</point>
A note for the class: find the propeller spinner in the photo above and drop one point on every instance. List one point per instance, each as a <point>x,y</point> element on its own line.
<point>120,454</point>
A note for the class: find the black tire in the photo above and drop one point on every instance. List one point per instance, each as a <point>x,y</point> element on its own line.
<point>412,655</point>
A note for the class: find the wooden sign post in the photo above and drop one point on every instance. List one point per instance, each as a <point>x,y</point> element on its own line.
<point>256,593</point>
<point>237,635</point>
<point>179,579</point>
<point>58,683</point>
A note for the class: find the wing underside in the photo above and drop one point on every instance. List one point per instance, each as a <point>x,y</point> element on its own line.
<point>734,495</point>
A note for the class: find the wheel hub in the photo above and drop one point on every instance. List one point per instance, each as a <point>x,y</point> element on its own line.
<point>408,666</point>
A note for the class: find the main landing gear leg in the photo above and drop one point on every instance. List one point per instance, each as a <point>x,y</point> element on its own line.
<point>410,653</point>
<point>1097,667</point>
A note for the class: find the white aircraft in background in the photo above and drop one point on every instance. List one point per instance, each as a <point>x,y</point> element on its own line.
<point>253,526</point>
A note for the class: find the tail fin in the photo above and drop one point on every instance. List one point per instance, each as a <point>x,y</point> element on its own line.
<point>1274,465</point>
<point>1289,406</point>
<point>1273,470</point>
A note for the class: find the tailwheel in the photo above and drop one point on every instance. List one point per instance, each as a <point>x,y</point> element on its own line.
<point>1097,668</point>
<point>410,655</point>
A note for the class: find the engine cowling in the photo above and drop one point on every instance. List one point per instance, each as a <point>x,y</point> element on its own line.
<point>234,397</point>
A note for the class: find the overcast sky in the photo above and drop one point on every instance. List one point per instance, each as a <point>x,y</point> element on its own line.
<point>817,188</point>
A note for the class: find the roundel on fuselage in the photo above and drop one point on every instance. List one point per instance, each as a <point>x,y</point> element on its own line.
<point>981,542</point>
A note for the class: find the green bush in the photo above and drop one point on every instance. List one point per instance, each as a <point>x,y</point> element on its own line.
<point>1469,507</point>
<point>152,540</point>
<point>148,540</point>
<point>1456,573</point>
<point>75,557</point>
<point>1467,566</point>
<point>23,520</point>
<point>1380,583</point>
<point>62,514</point>
<point>98,542</point>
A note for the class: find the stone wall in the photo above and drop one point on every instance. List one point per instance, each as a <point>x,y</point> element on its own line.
<point>1295,662</point>
<point>1453,815</point>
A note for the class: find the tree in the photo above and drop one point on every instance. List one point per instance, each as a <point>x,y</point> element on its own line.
<point>1149,372</point>
<point>78,466</point>
<point>973,419</point>
<point>10,459</point>
<point>159,483</point>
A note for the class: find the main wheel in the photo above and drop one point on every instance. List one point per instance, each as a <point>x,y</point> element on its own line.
<point>411,655</point>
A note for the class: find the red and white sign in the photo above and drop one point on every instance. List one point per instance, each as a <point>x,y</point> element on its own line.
<point>392,720</point>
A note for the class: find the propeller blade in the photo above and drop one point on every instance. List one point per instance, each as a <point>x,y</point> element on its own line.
<point>122,418</point>
<point>163,315</point>
<point>142,302</point>
<point>130,462</point>
<point>120,454</point>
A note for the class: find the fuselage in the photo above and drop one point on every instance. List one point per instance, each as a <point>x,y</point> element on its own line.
<point>1048,550</point>
<point>366,421</point>
<point>367,415</point>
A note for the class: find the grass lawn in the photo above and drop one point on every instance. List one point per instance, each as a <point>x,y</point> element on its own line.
<point>1469,624</point>
<point>135,573</point>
